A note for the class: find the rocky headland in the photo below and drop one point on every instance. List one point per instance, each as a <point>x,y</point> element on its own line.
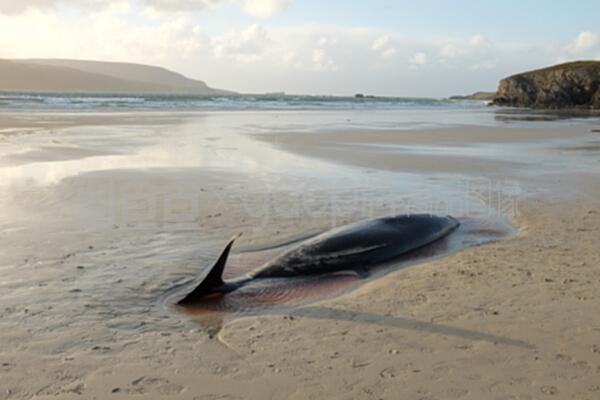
<point>570,85</point>
<point>478,96</point>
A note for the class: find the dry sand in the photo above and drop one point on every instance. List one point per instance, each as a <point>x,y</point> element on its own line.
<point>516,319</point>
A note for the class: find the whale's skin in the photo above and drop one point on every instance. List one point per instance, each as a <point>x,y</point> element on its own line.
<point>355,247</point>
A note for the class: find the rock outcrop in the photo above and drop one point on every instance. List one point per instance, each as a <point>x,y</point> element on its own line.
<point>570,85</point>
<point>479,96</point>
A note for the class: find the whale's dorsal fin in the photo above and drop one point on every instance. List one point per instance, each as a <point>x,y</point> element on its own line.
<point>213,280</point>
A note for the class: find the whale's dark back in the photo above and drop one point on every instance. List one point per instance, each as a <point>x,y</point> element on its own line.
<point>359,246</point>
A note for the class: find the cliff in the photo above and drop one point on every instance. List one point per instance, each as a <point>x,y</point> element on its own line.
<point>570,85</point>
<point>95,77</point>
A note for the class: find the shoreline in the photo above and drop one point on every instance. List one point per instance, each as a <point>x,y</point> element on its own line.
<point>92,252</point>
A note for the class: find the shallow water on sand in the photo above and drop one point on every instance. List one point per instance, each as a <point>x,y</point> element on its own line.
<point>101,215</point>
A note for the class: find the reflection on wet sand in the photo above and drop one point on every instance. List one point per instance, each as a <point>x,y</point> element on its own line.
<point>514,115</point>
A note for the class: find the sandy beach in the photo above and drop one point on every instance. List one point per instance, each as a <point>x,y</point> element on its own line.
<point>102,215</point>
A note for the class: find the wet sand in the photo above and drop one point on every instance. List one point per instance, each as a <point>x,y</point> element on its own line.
<point>490,151</point>
<point>91,242</point>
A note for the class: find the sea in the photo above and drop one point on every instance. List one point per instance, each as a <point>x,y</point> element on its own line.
<point>118,102</point>
<point>326,112</point>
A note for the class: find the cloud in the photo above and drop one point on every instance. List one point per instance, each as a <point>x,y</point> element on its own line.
<point>16,7</point>
<point>104,34</point>
<point>478,44</point>
<point>451,50</point>
<point>180,5</point>
<point>381,42</point>
<point>254,7</point>
<point>327,41</point>
<point>291,59</point>
<point>418,59</point>
<point>322,61</point>
<point>384,45</point>
<point>247,45</point>
<point>479,40</point>
<point>388,53</point>
<point>19,6</point>
<point>264,8</point>
<point>585,42</point>
<point>475,54</point>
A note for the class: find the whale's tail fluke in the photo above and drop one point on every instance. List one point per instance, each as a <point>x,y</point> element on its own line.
<point>213,282</point>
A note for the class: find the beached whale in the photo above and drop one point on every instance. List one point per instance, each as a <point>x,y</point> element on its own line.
<point>355,247</point>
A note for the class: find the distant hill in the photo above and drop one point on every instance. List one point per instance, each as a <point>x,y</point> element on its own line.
<point>569,85</point>
<point>482,96</point>
<point>55,75</point>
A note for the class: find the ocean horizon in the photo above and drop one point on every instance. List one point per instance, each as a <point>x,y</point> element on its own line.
<point>73,102</point>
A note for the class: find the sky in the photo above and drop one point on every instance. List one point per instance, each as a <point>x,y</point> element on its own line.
<point>425,48</point>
